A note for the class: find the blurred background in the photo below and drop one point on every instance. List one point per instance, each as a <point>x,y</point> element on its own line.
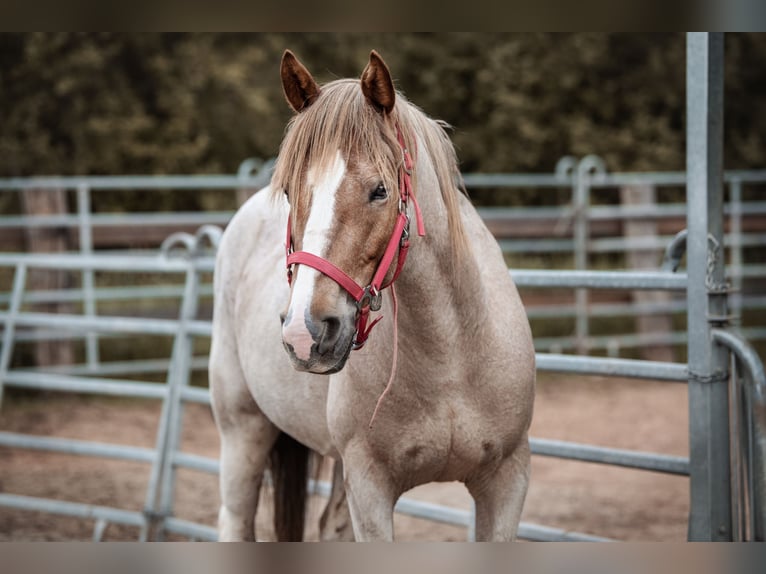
<point>201,103</point>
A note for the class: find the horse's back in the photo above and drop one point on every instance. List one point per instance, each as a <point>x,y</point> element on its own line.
<point>250,291</point>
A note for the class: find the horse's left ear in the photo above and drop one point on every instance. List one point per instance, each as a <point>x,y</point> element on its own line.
<point>377,85</point>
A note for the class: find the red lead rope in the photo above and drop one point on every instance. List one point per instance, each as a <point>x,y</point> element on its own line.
<point>369,298</point>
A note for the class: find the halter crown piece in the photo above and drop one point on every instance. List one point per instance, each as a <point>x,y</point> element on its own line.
<point>369,298</point>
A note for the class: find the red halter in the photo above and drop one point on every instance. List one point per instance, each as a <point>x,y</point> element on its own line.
<point>369,298</point>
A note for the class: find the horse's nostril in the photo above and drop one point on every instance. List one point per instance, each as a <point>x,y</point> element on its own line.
<point>329,334</point>
<point>332,328</point>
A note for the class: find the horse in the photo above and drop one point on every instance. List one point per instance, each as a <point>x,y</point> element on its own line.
<point>403,354</point>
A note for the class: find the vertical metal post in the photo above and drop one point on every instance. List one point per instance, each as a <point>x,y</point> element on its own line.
<point>88,282</point>
<point>757,410</point>
<point>588,167</point>
<point>471,534</point>
<point>710,514</point>
<point>245,169</point>
<point>160,448</point>
<point>735,232</point>
<point>19,281</point>
<point>178,378</point>
<point>737,446</point>
<point>581,233</point>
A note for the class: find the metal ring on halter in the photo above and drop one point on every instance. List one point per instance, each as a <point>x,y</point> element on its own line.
<point>370,297</point>
<point>405,233</point>
<point>405,153</point>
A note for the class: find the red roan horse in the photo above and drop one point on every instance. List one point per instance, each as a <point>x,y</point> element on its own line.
<point>443,388</point>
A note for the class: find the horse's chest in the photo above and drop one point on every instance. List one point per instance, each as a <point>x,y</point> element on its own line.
<point>452,446</point>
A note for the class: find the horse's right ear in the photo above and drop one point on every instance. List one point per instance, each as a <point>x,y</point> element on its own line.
<point>377,85</point>
<point>300,88</point>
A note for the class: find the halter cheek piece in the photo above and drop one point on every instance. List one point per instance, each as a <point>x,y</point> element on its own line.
<point>369,298</point>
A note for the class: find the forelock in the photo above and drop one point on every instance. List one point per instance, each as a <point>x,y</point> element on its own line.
<point>339,120</point>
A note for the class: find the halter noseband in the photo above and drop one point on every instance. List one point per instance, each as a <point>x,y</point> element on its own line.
<point>368,298</point>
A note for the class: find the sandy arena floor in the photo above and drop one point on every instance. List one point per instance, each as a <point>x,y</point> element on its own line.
<point>596,499</point>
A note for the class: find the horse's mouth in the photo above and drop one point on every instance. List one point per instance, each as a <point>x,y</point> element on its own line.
<point>339,365</point>
<point>318,364</point>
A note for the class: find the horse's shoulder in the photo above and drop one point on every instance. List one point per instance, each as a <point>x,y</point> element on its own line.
<point>251,230</point>
<point>262,207</point>
<point>261,211</point>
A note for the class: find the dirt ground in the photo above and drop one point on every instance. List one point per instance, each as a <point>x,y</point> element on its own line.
<point>617,503</point>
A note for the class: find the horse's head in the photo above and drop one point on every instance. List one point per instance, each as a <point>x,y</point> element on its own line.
<point>339,168</point>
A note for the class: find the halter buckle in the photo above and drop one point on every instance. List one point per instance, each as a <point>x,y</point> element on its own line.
<point>371,298</point>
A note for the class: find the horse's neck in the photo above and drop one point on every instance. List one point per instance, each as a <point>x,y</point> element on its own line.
<point>438,288</point>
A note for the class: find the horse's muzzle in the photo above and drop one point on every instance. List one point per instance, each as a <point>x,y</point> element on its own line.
<point>318,346</point>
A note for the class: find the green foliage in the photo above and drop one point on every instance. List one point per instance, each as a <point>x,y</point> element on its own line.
<point>200,103</point>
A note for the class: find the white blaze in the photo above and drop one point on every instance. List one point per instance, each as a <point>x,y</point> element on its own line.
<point>315,238</point>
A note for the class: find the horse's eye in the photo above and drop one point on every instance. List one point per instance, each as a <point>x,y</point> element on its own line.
<point>380,192</point>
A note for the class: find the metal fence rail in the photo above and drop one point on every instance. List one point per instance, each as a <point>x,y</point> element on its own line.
<point>156,519</point>
<point>573,219</point>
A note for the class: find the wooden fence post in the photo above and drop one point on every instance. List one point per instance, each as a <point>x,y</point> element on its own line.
<point>646,323</point>
<point>37,202</point>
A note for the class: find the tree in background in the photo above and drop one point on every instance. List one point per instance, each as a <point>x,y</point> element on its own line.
<point>201,103</point>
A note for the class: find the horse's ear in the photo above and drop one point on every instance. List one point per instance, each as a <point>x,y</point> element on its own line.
<point>300,88</point>
<point>377,85</point>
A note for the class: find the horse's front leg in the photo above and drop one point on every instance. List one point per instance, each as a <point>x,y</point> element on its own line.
<point>244,455</point>
<point>335,522</point>
<point>371,497</point>
<point>246,440</point>
<point>499,496</point>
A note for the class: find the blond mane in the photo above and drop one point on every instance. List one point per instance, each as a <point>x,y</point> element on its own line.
<point>341,119</point>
